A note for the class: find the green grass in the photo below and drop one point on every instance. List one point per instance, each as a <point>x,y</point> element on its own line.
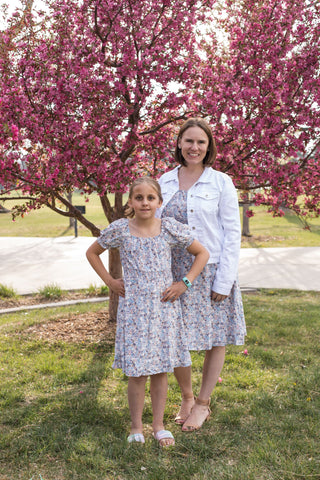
<point>64,413</point>
<point>287,231</point>
<point>51,291</point>
<point>266,231</point>
<point>44,222</point>
<point>7,292</point>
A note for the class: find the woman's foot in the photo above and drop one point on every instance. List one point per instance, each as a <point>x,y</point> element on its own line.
<point>199,414</point>
<point>187,403</point>
<point>164,438</point>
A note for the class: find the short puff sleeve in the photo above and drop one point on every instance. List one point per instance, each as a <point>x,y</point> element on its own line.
<point>112,236</point>
<point>178,234</point>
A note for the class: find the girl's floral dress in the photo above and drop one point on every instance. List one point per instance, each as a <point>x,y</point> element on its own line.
<point>151,335</point>
<point>209,323</point>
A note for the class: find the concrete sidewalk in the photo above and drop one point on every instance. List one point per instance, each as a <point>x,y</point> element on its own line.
<point>29,263</point>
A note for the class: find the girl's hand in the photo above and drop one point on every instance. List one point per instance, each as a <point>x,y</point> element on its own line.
<point>217,297</point>
<point>173,292</point>
<point>117,286</point>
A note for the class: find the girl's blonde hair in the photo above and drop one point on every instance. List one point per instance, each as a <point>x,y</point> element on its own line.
<point>129,211</point>
<point>211,154</point>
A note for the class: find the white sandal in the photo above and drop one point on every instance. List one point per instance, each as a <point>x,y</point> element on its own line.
<point>136,438</point>
<point>163,435</point>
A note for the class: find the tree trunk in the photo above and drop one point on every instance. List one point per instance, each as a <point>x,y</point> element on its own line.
<point>71,219</point>
<point>245,221</point>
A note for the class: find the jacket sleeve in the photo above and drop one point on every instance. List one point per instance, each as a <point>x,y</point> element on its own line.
<point>229,217</point>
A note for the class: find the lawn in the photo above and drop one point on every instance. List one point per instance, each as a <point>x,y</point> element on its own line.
<point>266,231</point>
<point>64,413</point>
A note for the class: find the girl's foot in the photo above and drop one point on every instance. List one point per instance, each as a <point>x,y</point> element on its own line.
<point>199,414</point>
<point>164,438</point>
<point>136,438</point>
<point>187,403</point>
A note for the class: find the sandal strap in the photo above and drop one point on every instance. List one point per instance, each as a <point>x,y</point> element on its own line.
<point>188,397</point>
<point>136,438</point>
<point>204,403</point>
<point>162,434</point>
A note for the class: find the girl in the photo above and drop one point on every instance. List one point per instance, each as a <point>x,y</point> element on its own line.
<point>150,338</point>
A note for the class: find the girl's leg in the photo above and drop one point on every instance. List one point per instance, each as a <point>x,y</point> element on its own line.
<point>136,394</point>
<point>183,376</point>
<point>158,391</point>
<point>213,363</point>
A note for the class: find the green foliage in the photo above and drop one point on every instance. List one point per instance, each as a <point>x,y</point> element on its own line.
<point>94,290</point>
<point>7,292</point>
<point>64,412</point>
<point>51,291</point>
<point>104,290</point>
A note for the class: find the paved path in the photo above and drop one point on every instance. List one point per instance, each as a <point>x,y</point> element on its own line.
<point>29,263</point>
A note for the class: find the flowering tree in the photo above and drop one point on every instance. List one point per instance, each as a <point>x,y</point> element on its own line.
<point>96,87</point>
<point>263,96</point>
<point>88,85</point>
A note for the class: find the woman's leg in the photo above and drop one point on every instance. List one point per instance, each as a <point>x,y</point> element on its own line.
<point>158,391</point>
<point>136,394</point>
<point>213,363</point>
<point>183,376</point>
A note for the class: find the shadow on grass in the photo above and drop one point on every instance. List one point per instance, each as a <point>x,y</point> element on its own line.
<point>75,424</point>
<point>292,218</point>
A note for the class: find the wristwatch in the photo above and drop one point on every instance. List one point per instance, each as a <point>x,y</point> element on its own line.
<point>187,282</point>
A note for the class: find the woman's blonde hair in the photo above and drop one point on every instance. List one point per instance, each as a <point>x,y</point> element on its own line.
<point>211,155</point>
<point>129,211</point>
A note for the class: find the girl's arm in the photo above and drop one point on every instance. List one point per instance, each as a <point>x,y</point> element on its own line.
<point>93,255</point>
<point>201,255</point>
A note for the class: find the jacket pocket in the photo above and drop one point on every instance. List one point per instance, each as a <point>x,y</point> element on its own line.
<point>208,201</point>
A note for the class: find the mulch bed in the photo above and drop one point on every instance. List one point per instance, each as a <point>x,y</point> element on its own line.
<point>90,327</point>
<point>78,328</point>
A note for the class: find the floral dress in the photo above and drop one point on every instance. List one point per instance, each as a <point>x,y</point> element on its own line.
<point>209,323</point>
<point>151,335</point>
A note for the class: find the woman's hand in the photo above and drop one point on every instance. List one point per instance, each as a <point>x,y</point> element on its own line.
<point>117,286</point>
<point>217,297</point>
<point>173,292</point>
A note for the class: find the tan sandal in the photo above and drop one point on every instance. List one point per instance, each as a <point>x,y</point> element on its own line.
<point>179,419</point>
<point>192,428</point>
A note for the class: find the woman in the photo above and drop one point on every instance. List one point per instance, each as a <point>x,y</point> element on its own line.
<point>206,199</point>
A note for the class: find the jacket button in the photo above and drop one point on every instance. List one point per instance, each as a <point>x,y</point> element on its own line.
<point>191,211</point>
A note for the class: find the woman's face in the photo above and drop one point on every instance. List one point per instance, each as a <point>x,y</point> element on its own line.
<point>194,144</point>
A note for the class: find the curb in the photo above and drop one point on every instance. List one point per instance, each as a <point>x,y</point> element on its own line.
<point>52,305</point>
<point>75,302</point>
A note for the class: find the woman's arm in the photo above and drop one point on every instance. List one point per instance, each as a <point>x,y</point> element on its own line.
<point>93,255</point>
<point>201,255</point>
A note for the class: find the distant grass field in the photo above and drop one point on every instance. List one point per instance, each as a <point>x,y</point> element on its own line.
<point>266,231</point>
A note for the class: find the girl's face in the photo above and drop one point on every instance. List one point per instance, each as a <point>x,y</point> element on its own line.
<point>194,144</point>
<point>144,201</point>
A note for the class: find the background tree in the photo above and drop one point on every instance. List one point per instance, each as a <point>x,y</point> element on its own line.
<point>261,91</point>
<point>88,84</point>
<point>97,87</point>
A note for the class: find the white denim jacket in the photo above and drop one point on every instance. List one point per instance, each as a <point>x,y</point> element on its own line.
<point>213,215</point>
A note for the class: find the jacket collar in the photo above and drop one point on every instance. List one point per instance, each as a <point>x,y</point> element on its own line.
<point>206,176</point>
